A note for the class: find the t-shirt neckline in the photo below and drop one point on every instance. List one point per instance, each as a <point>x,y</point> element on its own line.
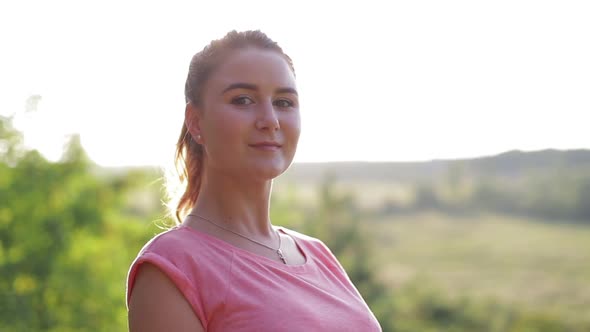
<point>245,253</point>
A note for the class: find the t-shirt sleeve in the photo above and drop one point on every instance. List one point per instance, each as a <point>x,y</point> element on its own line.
<point>332,262</point>
<point>329,257</point>
<point>169,265</point>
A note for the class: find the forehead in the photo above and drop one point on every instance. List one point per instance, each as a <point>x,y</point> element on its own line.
<point>264,68</point>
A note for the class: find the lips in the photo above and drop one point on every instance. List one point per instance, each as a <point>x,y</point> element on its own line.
<point>266,145</point>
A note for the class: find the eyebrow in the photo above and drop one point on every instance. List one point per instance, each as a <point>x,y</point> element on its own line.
<point>253,87</point>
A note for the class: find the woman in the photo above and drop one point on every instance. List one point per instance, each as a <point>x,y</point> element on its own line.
<point>225,267</point>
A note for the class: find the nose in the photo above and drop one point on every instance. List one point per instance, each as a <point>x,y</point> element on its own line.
<point>267,118</point>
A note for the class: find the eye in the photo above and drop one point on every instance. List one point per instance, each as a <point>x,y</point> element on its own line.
<point>242,100</point>
<point>284,103</point>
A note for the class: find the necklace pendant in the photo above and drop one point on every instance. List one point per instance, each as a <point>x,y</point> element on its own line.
<point>281,256</point>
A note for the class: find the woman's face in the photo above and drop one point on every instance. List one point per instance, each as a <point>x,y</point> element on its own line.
<point>249,122</point>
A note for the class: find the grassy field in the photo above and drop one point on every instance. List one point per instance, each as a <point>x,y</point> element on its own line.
<point>536,266</point>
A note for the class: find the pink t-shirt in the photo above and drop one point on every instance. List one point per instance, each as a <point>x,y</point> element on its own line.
<point>231,289</point>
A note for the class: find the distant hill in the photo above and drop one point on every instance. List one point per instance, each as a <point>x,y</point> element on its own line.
<point>517,162</point>
<point>508,164</point>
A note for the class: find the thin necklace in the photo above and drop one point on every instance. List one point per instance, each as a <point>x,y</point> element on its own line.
<point>278,250</point>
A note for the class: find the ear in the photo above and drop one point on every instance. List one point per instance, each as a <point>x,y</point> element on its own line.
<point>192,117</point>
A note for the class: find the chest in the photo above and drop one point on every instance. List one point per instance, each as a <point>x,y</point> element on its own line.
<point>313,301</point>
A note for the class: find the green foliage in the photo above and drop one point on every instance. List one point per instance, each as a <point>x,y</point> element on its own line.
<point>63,246</point>
<point>11,142</point>
<point>420,307</point>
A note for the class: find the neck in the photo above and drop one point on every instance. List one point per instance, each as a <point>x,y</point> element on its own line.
<point>240,205</point>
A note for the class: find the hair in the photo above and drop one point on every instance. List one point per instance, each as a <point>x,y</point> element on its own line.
<point>188,159</point>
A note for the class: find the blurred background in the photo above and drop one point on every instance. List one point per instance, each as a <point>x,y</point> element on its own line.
<point>444,157</point>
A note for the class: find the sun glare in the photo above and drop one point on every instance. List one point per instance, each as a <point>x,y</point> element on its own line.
<point>410,84</point>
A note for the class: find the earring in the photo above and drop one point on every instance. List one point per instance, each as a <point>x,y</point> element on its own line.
<point>198,138</point>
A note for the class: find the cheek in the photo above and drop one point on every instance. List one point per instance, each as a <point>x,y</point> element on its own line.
<point>293,126</point>
<point>228,126</point>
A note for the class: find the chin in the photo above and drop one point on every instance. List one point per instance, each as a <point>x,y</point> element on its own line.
<point>269,171</point>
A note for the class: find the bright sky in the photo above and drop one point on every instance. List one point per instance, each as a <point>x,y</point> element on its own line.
<point>379,80</point>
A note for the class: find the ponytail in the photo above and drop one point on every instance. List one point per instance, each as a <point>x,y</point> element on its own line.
<point>188,162</point>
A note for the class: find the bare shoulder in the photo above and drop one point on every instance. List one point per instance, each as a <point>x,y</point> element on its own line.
<point>157,305</point>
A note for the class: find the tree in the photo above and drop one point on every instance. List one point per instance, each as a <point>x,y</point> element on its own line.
<point>64,247</point>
